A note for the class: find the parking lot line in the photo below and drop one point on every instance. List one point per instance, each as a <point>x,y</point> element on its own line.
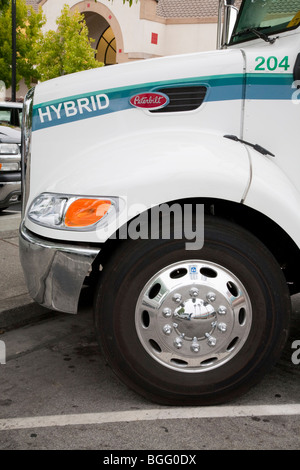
<point>149,415</point>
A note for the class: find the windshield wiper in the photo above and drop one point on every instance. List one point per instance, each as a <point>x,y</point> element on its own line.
<point>257,33</point>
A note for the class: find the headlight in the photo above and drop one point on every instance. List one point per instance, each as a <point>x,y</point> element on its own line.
<point>71,212</point>
<point>10,166</point>
<point>9,149</point>
<point>47,210</point>
<point>10,158</point>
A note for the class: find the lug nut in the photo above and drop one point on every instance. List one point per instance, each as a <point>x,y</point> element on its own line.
<point>178,343</point>
<point>167,312</point>
<point>222,310</point>
<point>167,329</point>
<point>195,347</point>
<point>177,298</point>
<point>211,297</point>
<point>211,340</point>
<point>194,292</point>
<point>222,327</point>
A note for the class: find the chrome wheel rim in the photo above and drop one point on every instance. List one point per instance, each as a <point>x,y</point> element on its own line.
<point>193,316</point>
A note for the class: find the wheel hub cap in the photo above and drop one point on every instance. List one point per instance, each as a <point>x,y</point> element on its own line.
<point>193,316</point>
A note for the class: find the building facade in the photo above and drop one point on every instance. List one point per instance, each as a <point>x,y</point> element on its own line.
<point>149,28</point>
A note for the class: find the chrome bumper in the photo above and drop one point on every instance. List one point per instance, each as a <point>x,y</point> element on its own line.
<point>54,272</point>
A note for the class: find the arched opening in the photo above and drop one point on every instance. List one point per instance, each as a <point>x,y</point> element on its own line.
<point>107,47</point>
<point>105,29</point>
<point>104,38</point>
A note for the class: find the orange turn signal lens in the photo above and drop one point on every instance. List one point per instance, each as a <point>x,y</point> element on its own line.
<point>85,212</point>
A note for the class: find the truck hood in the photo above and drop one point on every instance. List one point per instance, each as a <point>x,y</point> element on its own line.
<point>89,140</point>
<point>136,76</point>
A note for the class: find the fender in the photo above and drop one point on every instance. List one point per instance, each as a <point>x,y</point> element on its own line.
<point>273,194</point>
<point>159,167</point>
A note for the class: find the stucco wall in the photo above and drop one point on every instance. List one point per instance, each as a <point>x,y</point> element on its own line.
<point>140,33</point>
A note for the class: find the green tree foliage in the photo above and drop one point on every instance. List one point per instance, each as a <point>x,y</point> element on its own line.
<point>130,2</point>
<point>3,4</point>
<point>68,49</point>
<point>28,34</point>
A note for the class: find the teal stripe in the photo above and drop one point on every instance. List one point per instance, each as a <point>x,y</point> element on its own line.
<point>269,86</point>
<point>215,80</point>
<point>219,88</point>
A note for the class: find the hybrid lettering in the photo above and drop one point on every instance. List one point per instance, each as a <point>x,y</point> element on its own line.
<point>72,108</point>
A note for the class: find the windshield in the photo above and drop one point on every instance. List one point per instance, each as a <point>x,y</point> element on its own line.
<point>265,16</point>
<point>10,116</point>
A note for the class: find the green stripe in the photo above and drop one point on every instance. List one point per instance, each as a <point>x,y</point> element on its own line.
<point>215,80</point>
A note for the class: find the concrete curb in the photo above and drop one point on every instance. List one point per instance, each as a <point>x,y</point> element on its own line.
<point>20,311</point>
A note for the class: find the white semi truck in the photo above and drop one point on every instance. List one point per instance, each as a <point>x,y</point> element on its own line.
<point>209,137</point>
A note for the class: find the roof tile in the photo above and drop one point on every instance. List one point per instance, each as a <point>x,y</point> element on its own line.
<point>188,8</point>
<point>209,8</point>
<point>33,3</point>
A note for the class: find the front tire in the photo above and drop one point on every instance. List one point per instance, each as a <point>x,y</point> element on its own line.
<point>192,327</point>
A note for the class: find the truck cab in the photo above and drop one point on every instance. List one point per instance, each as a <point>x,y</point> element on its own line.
<point>170,186</point>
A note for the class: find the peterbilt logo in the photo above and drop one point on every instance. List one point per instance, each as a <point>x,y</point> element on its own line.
<point>149,100</point>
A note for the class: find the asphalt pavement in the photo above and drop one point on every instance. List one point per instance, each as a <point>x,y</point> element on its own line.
<point>16,306</point>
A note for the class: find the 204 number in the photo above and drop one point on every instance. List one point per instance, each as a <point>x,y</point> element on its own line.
<point>272,63</point>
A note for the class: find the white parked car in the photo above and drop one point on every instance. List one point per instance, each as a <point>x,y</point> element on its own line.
<point>10,153</point>
<point>11,113</point>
